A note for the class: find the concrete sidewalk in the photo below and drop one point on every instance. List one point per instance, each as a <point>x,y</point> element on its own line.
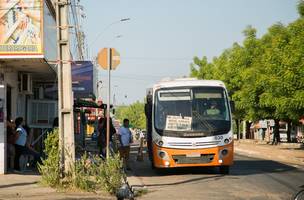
<point>26,186</point>
<point>290,154</point>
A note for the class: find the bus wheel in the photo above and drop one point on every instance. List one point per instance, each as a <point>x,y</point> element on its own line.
<point>299,195</point>
<point>224,169</point>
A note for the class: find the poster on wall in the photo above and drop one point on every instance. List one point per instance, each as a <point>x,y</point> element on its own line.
<point>20,27</point>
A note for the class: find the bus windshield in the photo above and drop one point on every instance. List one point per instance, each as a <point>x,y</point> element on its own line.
<point>191,112</point>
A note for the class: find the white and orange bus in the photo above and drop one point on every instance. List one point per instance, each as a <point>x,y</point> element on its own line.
<point>189,124</point>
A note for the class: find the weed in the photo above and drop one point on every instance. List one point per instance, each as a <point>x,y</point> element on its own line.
<point>110,174</point>
<point>49,169</point>
<point>89,173</point>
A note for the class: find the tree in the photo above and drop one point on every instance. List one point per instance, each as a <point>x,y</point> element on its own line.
<point>134,112</point>
<point>301,8</point>
<point>265,77</point>
<point>201,68</point>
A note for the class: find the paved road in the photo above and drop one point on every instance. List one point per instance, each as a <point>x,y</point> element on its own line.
<point>249,179</point>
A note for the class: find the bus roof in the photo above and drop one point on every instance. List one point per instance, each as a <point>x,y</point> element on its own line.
<point>188,82</point>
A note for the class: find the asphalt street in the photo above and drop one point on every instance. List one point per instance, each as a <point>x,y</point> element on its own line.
<point>249,178</point>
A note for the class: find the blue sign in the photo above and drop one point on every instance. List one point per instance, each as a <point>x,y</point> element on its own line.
<point>82,79</point>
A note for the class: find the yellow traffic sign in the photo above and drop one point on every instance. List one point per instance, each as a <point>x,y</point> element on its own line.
<point>103,58</point>
<point>115,58</point>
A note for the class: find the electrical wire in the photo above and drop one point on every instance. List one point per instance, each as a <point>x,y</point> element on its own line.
<point>129,78</point>
<point>157,58</point>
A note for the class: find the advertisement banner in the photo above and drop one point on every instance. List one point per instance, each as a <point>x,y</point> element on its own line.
<point>21,27</point>
<point>82,81</point>
<point>82,77</point>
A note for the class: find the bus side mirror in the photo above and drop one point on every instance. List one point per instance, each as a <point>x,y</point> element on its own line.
<point>232,106</point>
<point>147,110</point>
<point>148,105</point>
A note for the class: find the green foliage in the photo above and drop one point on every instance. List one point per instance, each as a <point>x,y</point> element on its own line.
<point>264,76</point>
<point>90,173</point>
<point>301,8</point>
<point>110,174</point>
<point>49,169</point>
<point>134,112</point>
<point>84,174</point>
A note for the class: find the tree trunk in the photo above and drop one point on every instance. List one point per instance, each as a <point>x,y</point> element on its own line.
<point>237,122</point>
<point>276,132</point>
<point>248,133</point>
<point>288,131</point>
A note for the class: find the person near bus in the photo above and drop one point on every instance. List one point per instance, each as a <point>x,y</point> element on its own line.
<point>125,138</point>
<point>102,136</point>
<point>22,146</point>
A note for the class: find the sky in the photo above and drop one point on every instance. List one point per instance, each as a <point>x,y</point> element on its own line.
<point>162,36</point>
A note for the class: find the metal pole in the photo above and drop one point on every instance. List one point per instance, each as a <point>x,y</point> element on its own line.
<point>65,97</point>
<point>108,101</point>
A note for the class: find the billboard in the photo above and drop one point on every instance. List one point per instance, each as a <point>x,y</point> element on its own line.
<point>82,79</point>
<point>21,28</point>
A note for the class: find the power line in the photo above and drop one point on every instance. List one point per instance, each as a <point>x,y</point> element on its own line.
<point>79,34</point>
<point>130,78</point>
<point>145,78</point>
<point>157,58</point>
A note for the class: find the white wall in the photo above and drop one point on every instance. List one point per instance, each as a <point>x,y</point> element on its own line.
<point>10,79</point>
<point>3,136</point>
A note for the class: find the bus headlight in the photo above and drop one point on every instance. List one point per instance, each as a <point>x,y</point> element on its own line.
<point>224,152</point>
<point>226,141</point>
<point>160,143</point>
<point>163,155</point>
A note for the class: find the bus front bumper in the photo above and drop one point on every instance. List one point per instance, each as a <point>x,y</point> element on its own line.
<point>169,157</point>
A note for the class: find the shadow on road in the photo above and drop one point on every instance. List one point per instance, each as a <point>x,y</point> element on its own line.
<point>18,184</point>
<point>250,166</point>
<point>242,166</point>
<point>181,182</point>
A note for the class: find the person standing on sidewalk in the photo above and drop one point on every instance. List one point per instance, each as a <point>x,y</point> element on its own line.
<point>102,137</point>
<point>22,146</point>
<point>125,138</point>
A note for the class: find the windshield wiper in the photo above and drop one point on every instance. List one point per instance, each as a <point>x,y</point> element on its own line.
<point>204,122</point>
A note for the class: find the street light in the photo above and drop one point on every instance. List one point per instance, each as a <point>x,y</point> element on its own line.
<point>97,85</point>
<point>114,95</point>
<point>116,37</point>
<point>106,28</point>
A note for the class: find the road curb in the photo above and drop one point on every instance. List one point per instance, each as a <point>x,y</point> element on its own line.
<point>133,180</point>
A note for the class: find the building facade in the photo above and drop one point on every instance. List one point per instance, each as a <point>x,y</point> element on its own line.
<point>28,53</point>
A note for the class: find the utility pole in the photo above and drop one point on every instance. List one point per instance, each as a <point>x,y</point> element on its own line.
<point>108,59</point>
<point>108,103</point>
<point>65,97</point>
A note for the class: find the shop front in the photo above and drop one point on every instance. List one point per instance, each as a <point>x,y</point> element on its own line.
<point>28,50</point>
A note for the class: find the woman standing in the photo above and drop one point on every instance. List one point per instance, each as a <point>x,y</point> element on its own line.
<point>22,147</point>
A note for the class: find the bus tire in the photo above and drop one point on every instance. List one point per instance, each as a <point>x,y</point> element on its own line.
<point>299,195</point>
<point>224,169</point>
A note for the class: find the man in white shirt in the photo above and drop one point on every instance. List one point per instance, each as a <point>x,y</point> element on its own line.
<point>125,138</point>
